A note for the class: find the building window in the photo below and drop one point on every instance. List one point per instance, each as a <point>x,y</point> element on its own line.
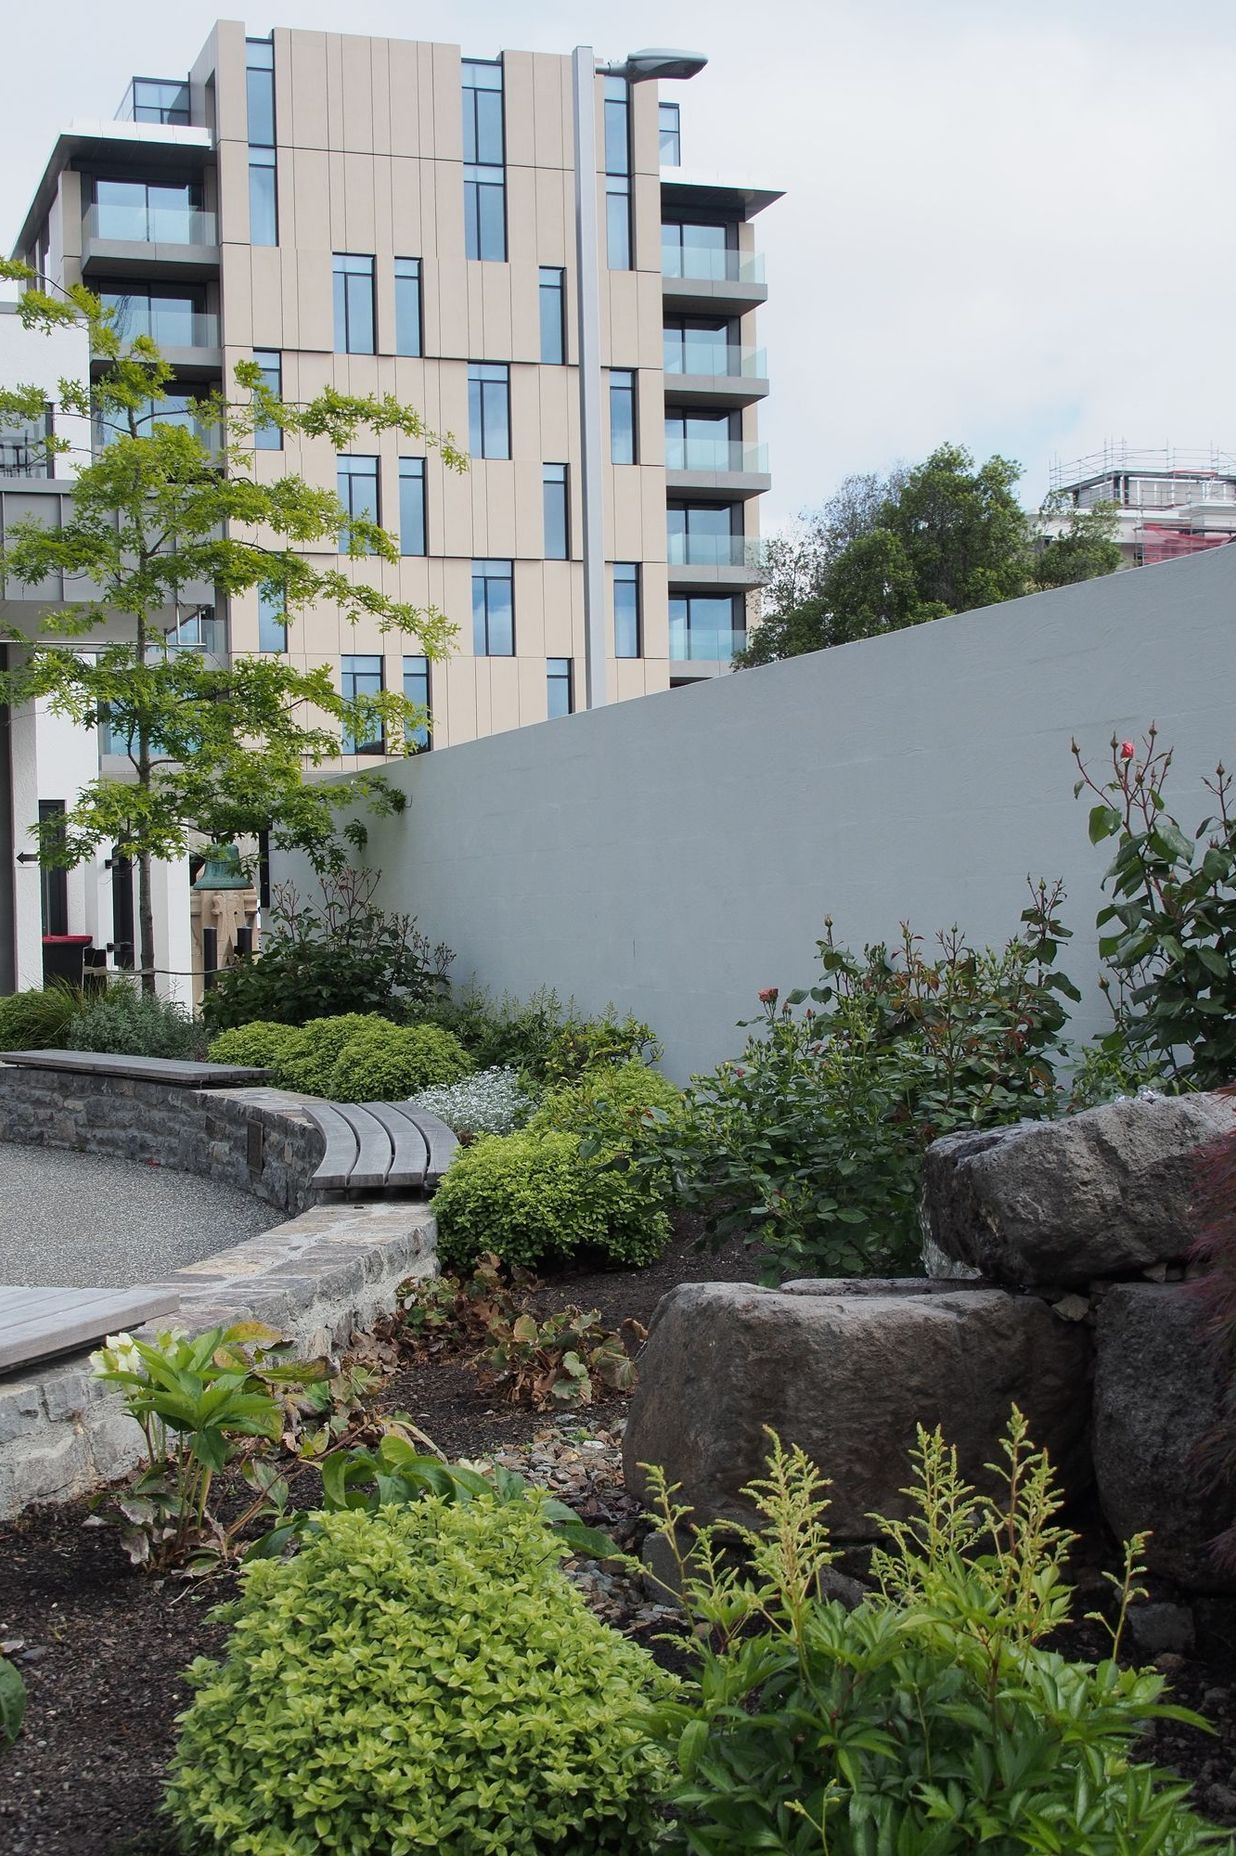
<point>484,157</point>
<point>553,315</point>
<point>628,629</point>
<point>416,689</point>
<point>272,619</point>
<point>705,535</point>
<point>353,303</point>
<point>618,173</point>
<point>269,437</point>
<point>558,683</point>
<point>407,306</point>
<point>358,492</point>
<point>699,250</point>
<point>411,505</point>
<point>702,441</point>
<point>493,609</point>
<point>671,135</point>
<point>557,516</point>
<point>489,409</point>
<point>360,677</point>
<point>622,427</point>
<point>174,316</point>
<point>156,99</point>
<point>701,345</point>
<point>706,625</point>
<point>151,212</point>
<point>260,89</point>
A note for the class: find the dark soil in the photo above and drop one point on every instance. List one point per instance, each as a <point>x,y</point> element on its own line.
<point>101,1647</point>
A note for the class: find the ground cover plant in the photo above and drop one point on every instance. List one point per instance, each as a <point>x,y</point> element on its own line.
<point>930,1720</point>
<point>518,1712</point>
<point>495,1101</point>
<point>812,1141</point>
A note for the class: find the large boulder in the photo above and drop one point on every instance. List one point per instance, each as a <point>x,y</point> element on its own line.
<point>1159,1412</point>
<point>1105,1193</point>
<point>848,1370</point>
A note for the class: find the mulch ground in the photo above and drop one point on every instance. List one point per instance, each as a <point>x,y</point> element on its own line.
<point>101,1647</point>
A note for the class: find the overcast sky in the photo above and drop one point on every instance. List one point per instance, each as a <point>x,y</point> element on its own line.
<point>1005,224</point>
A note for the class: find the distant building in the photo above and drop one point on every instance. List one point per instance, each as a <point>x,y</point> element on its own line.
<point>1168,502</point>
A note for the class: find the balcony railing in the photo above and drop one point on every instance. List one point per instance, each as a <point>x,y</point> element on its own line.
<point>105,432</point>
<point>150,224</point>
<point>717,551</point>
<point>714,454</point>
<point>708,264</point>
<point>716,361</point>
<point>689,643</point>
<point>170,324</point>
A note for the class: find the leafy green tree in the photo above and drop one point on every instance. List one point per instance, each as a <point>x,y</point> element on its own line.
<point>945,537</point>
<point>215,750</point>
<point>1084,547</point>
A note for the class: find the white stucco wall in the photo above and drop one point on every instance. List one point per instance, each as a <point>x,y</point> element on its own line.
<point>30,358</point>
<point>676,853</point>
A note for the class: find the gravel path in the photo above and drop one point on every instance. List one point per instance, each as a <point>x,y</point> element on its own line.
<point>81,1221</point>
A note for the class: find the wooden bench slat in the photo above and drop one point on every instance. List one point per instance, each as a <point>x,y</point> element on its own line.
<point>373,1146</point>
<point>409,1149</point>
<point>342,1149</point>
<point>37,1328</point>
<point>440,1140</point>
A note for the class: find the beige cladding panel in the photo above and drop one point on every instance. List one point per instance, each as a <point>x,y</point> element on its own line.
<point>493,509</point>
<point>518,110</point>
<point>654,592</point>
<point>533,692</point>
<point>233,192</point>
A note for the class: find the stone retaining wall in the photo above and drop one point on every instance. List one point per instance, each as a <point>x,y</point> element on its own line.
<point>257,1139</point>
<point>316,1277</point>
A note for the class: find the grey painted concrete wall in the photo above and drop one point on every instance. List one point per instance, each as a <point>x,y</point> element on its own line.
<point>677,852</point>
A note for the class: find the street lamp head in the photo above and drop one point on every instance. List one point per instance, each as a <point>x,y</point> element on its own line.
<point>658,62</point>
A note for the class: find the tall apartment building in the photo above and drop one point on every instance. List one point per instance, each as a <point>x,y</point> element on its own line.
<point>513,246</point>
<point>1168,503</point>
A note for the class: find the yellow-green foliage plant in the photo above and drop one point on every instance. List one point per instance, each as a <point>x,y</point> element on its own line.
<point>261,1043</point>
<point>532,1199</point>
<point>421,1678</point>
<point>610,1104</point>
<point>930,1720</point>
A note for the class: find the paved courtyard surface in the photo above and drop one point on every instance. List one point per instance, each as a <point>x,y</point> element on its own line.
<point>82,1221</point>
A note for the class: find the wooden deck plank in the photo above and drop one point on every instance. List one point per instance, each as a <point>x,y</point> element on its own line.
<point>169,1070</point>
<point>334,1170</point>
<point>373,1146</point>
<point>38,1322</point>
<point>409,1149</point>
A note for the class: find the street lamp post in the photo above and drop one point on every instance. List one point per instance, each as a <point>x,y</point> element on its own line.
<point>638,67</point>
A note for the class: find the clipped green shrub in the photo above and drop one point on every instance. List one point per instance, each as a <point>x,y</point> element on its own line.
<point>419,1679</point>
<point>608,1104</point>
<point>38,1019</point>
<point>307,1062</point>
<point>133,1023</point>
<point>531,1198</point>
<point>263,1043</point>
<point>389,1062</point>
<point>584,1044</point>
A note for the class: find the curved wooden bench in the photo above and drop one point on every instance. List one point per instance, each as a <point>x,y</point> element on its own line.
<point>379,1146</point>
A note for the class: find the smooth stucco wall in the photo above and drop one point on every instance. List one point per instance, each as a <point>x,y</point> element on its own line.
<point>678,852</point>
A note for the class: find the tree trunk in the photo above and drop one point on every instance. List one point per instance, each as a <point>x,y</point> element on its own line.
<point>145,932</point>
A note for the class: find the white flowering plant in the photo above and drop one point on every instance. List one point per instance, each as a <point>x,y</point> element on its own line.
<point>497,1101</point>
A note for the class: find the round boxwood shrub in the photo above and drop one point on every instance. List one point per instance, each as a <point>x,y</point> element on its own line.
<point>262,1043</point>
<point>608,1103</point>
<point>531,1198</point>
<point>388,1062</point>
<point>308,1060</point>
<point>423,1678</point>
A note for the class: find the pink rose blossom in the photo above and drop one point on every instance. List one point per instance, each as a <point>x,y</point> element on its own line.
<point>1127,750</point>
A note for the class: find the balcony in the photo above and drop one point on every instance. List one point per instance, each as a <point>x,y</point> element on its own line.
<point>175,242</point>
<point>187,336</point>
<point>726,562</point>
<point>715,468</point>
<point>720,374</point>
<point>704,277</point>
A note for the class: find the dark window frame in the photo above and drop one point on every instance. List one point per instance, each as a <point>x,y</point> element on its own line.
<point>551,303</point>
<point>624,383</point>
<point>420,680</point>
<point>559,681</point>
<point>347,284</point>
<point>627,574</point>
<point>350,673</point>
<point>412,471</point>
<point>411,275</point>
<point>482,638</point>
<point>344,474</point>
<point>556,489</point>
<point>270,360</point>
<point>489,409</point>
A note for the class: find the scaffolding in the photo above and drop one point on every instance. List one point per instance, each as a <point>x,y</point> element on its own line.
<point>1117,459</point>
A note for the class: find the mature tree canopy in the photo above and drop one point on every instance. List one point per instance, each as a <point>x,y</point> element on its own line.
<point>216,747</point>
<point>944,537</point>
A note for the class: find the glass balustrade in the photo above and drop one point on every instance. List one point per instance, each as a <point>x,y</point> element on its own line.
<point>171,321</point>
<point>687,550</point>
<point>150,223</point>
<point>712,264</point>
<point>713,454</point>
<point>715,360</point>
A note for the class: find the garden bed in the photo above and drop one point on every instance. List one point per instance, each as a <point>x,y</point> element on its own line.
<point>101,1647</point>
